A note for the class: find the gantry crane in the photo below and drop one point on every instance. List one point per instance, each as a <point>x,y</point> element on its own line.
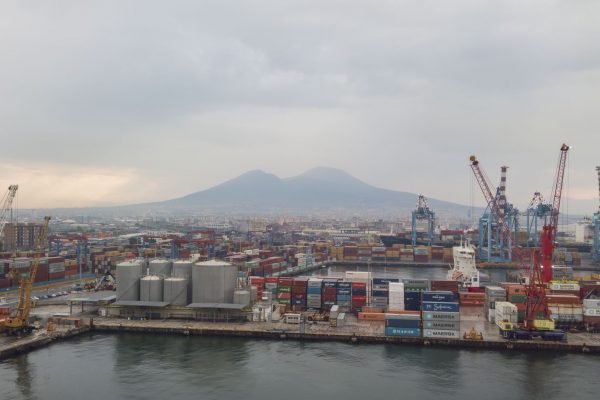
<point>19,322</point>
<point>537,214</point>
<point>422,212</point>
<point>596,248</point>
<point>6,206</point>
<point>537,315</point>
<point>492,246</point>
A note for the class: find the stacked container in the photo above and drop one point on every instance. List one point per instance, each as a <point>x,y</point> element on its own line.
<point>564,288</point>
<point>259,283</point>
<point>344,296</point>
<point>313,293</point>
<point>412,293</point>
<point>271,285</point>
<point>329,293</point>
<point>396,296</point>
<point>441,315</point>
<point>505,312</point>
<point>403,325</point>
<point>591,312</point>
<point>284,290</point>
<point>380,291</point>
<point>492,295</point>
<point>359,296</point>
<point>299,290</point>
<point>565,310</point>
<point>515,294</point>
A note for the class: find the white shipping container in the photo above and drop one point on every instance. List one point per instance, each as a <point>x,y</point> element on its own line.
<point>505,311</point>
<point>441,333</point>
<point>591,303</point>
<point>564,286</point>
<point>591,312</point>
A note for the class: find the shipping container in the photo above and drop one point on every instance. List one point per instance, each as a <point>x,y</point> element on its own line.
<point>439,306</point>
<point>441,333</point>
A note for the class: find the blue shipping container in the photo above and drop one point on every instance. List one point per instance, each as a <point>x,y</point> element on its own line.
<point>443,297</point>
<point>406,332</point>
<point>344,285</point>
<point>381,281</point>
<point>329,284</point>
<point>359,292</point>
<point>414,296</point>
<point>344,298</point>
<point>444,307</point>
<point>412,307</point>
<point>344,292</point>
<point>313,290</point>
<point>403,323</point>
<point>380,293</point>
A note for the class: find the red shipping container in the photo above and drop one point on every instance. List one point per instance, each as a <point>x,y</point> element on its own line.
<point>56,275</point>
<point>359,285</point>
<point>285,281</point>
<point>300,282</point>
<point>329,291</point>
<point>562,299</point>
<point>271,279</point>
<point>284,295</point>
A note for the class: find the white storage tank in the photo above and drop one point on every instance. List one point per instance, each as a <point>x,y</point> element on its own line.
<point>213,282</point>
<point>175,291</point>
<point>241,296</point>
<point>151,288</point>
<point>128,280</point>
<point>160,267</point>
<point>183,269</point>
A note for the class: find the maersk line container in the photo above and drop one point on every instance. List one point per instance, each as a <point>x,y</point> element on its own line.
<point>441,334</point>
<point>403,332</point>
<point>438,306</point>
<point>440,316</point>
<point>441,325</point>
<point>591,303</point>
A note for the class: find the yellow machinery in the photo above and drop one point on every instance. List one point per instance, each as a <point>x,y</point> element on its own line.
<point>473,335</point>
<point>19,323</point>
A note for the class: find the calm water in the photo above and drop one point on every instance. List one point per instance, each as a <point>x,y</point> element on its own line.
<point>131,366</point>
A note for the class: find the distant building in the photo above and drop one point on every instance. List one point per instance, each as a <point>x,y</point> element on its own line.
<point>20,236</point>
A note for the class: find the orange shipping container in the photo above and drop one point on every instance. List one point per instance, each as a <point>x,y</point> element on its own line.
<point>369,316</point>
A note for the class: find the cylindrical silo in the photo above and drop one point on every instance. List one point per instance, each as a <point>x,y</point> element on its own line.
<point>175,291</point>
<point>128,280</point>
<point>241,296</point>
<point>160,267</point>
<point>213,282</point>
<point>151,288</point>
<point>183,269</point>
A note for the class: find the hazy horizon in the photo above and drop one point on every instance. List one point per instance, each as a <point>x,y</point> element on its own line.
<point>110,103</point>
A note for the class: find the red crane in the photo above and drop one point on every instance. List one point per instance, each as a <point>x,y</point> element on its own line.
<point>548,237</point>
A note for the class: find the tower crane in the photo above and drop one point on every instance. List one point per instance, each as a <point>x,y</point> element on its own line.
<point>422,212</point>
<point>6,205</point>
<point>596,248</point>
<point>19,322</point>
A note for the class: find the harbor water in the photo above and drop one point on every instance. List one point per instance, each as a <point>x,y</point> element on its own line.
<point>145,366</point>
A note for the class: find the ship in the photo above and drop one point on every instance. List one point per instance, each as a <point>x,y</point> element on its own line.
<point>464,269</point>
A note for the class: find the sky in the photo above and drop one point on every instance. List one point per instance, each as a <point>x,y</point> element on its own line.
<point>120,102</point>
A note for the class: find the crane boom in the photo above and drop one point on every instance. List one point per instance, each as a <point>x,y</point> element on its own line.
<point>6,205</point>
<point>496,204</point>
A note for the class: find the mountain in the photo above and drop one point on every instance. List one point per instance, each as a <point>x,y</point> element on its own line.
<point>318,190</point>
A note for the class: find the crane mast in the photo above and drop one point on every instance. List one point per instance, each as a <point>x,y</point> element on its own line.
<point>20,321</point>
<point>549,230</point>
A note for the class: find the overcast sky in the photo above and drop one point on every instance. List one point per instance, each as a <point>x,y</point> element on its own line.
<point>115,102</point>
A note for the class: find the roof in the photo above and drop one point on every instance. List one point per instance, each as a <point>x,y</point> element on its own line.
<point>133,303</point>
<point>213,263</point>
<point>96,297</point>
<point>217,305</point>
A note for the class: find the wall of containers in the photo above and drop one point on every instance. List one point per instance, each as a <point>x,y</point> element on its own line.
<point>49,269</point>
